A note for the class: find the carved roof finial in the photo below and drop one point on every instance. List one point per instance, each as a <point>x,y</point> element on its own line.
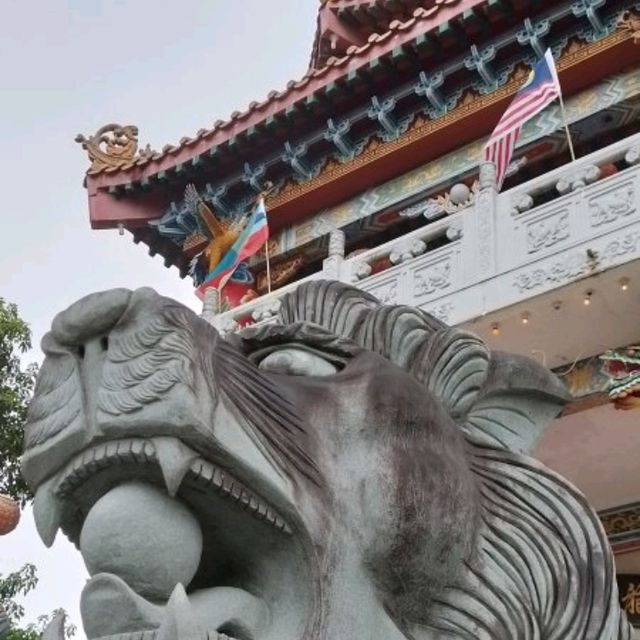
<point>112,147</point>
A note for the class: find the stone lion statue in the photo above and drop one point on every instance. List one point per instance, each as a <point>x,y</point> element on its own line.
<point>356,471</point>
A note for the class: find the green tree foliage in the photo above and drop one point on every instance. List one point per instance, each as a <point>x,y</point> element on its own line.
<point>16,386</point>
<point>15,584</point>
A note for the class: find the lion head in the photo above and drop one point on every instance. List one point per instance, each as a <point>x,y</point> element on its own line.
<point>355,471</point>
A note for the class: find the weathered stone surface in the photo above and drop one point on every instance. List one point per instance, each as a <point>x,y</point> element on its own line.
<point>357,471</point>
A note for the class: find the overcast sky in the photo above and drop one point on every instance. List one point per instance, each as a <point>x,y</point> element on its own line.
<point>70,66</point>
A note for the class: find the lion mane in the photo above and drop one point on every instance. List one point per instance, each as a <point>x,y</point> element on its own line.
<point>542,566</point>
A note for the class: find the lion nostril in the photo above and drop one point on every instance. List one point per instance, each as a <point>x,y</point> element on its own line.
<point>81,350</point>
<point>104,343</point>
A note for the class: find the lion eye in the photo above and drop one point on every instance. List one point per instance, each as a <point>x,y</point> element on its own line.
<point>297,362</point>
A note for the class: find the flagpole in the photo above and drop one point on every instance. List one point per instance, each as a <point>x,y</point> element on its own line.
<point>566,128</point>
<point>266,253</point>
<point>552,67</point>
<point>268,188</point>
<point>219,292</point>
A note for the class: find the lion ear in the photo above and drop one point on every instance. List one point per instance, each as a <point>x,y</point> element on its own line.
<point>453,364</point>
<point>517,401</point>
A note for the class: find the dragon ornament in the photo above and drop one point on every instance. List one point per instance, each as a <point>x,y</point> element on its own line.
<point>622,367</point>
<point>354,471</point>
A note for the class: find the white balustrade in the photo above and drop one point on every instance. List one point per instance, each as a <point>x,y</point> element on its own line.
<point>500,250</point>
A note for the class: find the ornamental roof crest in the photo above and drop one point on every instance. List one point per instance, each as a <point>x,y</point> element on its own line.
<point>113,146</point>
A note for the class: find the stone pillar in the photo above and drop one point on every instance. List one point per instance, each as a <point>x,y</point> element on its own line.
<point>486,220</point>
<point>332,265</point>
<point>211,305</point>
<point>480,245</point>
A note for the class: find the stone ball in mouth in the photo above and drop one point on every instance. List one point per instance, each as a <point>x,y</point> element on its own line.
<point>140,534</point>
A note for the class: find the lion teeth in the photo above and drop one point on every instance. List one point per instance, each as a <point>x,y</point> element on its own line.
<point>206,474</point>
<point>282,525</point>
<point>179,621</point>
<point>47,512</point>
<point>175,459</point>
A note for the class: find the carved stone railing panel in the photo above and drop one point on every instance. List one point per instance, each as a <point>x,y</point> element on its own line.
<point>580,215</point>
<point>580,261</point>
<point>536,233</point>
<point>566,179</point>
<point>442,311</point>
<point>615,202</point>
<point>387,287</point>
<point>428,277</point>
<point>436,276</point>
<point>548,231</point>
<point>406,248</point>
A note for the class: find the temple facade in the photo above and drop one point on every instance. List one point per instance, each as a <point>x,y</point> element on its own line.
<point>372,166</point>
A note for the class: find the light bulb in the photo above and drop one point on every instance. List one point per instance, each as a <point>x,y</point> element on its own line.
<point>624,284</point>
<point>587,298</point>
<point>525,317</point>
<point>495,329</point>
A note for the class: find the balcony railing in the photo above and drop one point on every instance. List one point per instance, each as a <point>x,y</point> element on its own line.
<point>570,223</point>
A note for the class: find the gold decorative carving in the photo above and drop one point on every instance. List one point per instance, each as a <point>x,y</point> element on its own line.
<point>280,274</point>
<point>194,243</point>
<point>624,520</point>
<point>112,147</point>
<point>222,234</point>
<point>630,22</point>
<point>579,379</point>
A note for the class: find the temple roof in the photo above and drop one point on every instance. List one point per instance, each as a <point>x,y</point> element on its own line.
<point>345,23</point>
<point>426,85</point>
<point>280,102</point>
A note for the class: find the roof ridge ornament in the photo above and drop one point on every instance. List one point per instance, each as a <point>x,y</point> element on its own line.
<point>113,146</point>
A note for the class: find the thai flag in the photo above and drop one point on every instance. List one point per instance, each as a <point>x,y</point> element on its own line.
<point>253,236</point>
<point>541,88</point>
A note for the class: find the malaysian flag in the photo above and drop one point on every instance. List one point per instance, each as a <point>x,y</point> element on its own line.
<point>541,88</point>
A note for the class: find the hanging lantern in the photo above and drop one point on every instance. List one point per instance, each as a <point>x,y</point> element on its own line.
<point>9,515</point>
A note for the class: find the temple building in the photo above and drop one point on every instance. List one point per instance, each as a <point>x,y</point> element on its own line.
<point>371,163</point>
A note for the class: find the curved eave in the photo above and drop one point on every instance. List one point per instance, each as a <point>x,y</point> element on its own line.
<point>383,161</point>
<point>350,22</point>
<point>435,138</point>
<point>259,114</point>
